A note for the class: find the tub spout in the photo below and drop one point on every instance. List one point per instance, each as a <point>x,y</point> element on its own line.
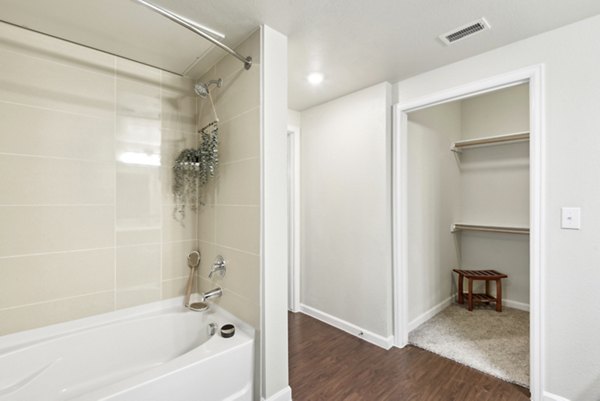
<point>215,293</point>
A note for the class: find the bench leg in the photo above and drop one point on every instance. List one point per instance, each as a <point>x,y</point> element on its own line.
<point>461,299</point>
<point>499,295</point>
<point>470,294</point>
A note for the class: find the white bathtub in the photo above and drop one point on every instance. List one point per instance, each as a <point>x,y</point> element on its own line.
<point>160,352</point>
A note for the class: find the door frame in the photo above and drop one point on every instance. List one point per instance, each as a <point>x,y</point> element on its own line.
<point>293,133</point>
<point>533,75</point>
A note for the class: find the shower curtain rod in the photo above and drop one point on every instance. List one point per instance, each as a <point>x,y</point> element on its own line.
<point>186,24</point>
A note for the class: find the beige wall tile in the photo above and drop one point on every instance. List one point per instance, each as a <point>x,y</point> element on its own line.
<point>39,278</point>
<point>239,139</point>
<point>173,288</point>
<point>174,258</point>
<point>236,304</point>
<point>38,315</point>
<point>138,266</point>
<point>19,40</point>
<point>139,295</point>
<point>138,198</point>
<point>239,183</point>
<point>206,223</point>
<point>37,180</point>
<point>175,230</point>
<point>209,254</point>
<point>137,236</point>
<point>36,82</point>
<point>243,273</point>
<point>40,132</point>
<point>240,92</point>
<point>239,227</point>
<point>178,103</point>
<point>37,229</point>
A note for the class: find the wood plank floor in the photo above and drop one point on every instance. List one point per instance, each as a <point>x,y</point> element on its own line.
<point>328,364</point>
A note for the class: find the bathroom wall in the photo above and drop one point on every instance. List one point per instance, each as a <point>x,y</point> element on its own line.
<point>229,221</point>
<point>346,212</point>
<point>571,56</point>
<point>86,147</point>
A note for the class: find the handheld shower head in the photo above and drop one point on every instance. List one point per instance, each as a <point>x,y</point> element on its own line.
<point>201,88</point>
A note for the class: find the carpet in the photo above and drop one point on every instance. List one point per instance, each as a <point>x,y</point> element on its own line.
<point>492,342</point>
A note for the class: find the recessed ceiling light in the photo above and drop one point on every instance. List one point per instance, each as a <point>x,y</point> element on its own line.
<point>315,78</point>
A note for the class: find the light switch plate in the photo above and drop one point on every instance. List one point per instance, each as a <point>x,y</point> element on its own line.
<point>571,218</point>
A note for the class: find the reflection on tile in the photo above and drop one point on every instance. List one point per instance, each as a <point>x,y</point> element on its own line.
<point>37,180</point>
<point>239,227</point>
<point>239,183</point>
<point>138,198</point>
<point>174,258</point>
<point>138,266</point>
<point>39,132</point>
<point>36,82</point>
<point>178,103</point>
<point>38,315</point>
<point>35,229</point>
<point>39,278</point>
<point>139,235</point>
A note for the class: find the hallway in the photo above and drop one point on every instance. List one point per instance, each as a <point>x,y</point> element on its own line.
<point>328,364</point>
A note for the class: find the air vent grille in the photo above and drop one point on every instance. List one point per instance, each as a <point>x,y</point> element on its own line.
<point>465,31</point>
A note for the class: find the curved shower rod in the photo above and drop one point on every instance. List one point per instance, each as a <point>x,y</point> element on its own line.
<point>192,27</point>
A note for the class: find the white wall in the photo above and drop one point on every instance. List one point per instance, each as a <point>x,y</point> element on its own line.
<point>433,196</point>
<point>495,188</point>
<point>346,214</point>
<point>572,171</point>
<point>294,118</point>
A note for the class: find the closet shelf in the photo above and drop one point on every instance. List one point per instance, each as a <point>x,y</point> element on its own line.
<point>489,140</point>
<point>492,229</point>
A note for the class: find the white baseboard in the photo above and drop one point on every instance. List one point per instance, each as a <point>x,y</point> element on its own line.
<point>515,305</point>
<point>283,395</point>
<point>376,339</point>
<point>430,313</point>
<point>553,397</point>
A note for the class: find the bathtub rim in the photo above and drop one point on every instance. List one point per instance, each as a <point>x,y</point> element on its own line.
<point>12,341</point>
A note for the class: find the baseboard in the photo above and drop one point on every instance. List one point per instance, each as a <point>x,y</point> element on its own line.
<point>515,305</point>
<point>283,395</point>
<point>430,313</point>
<point>376,339</point>
<point>553,397</point>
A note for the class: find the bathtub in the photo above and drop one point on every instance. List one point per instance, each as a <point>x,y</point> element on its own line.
<point>156,352</point>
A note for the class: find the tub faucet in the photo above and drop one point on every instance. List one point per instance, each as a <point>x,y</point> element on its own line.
<point>214,293</point>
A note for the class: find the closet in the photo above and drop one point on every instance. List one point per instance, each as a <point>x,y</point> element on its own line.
<point>468,208</point>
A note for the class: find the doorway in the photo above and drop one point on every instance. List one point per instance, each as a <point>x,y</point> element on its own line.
<point>403,225</point>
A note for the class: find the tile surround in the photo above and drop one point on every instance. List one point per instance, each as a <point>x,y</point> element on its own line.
<point>85,230</point>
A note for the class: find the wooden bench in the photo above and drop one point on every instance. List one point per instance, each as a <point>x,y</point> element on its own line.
<point>487,276</point>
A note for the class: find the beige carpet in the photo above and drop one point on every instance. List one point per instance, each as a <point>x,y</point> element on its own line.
<point>492,342</point>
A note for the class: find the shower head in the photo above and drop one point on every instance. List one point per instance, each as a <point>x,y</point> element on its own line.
<point>201,88</point>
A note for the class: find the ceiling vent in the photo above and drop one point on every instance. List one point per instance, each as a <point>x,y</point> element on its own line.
<point>465,31</point>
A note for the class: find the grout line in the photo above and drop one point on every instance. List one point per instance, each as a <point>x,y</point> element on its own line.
<point>54,110</point>
<point>229,248</point>
<point>57,205</point>
<point>246,159</point>
<point>24,255</point>
<point>254,108</point>
<point>56,300</point>
<point>115,221</point>
<point>106,161</point>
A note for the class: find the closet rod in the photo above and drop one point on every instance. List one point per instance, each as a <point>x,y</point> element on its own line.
<point>184,22</point>
<point>518,136</point>
<point>492,229</point>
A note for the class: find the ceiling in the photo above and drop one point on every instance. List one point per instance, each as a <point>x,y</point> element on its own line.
<point>354,43</point>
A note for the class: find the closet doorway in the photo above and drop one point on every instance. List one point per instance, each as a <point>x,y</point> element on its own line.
<point>468,195</point>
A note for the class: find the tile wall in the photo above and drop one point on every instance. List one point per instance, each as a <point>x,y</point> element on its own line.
<point>229,222</point>
<point>87,142</point>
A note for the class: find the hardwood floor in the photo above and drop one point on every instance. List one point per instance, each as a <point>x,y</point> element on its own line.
<point>328,364</point>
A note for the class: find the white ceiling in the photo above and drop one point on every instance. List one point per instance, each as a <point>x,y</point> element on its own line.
<point>355,43</point>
